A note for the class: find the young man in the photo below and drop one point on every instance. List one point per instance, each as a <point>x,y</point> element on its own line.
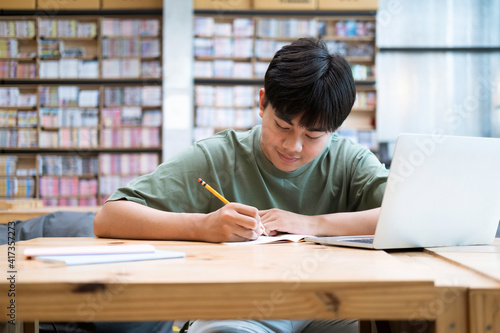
<point>291,174</point>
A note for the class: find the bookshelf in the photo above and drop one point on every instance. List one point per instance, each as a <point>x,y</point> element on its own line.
<point>80,104</point>
<point>232,53</point>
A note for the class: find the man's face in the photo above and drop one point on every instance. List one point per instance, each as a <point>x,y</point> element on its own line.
<point>287,145</point>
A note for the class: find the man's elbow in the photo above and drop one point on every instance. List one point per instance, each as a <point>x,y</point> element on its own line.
<point>100,225</point>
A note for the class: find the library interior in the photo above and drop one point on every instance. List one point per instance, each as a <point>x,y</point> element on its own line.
<point>96,93</point>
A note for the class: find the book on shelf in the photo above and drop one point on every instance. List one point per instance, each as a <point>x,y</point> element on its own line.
<point>17,28</point>
<point>68,96</point>
<point>130,27</point>
<point>151,96</point>
<point>365,100</point>
<point>52,186</point>
<point>289,28</point>
<point>17,187</point>
<point>224,117</point>
<point>71,117</point>
<point>346,28</point>
<point>16,69</point>
<point>130,137</point>
<point>9,48</point>
<point>69,68</point>
<point>88,98</point>
<point>67,165</point>
<point>8,118</point>
<point>121,68</point>
<point>69,138</point>
<point>12,96</point>
<point>67,28</point>
<point>128,163</point>
<point>223,96</point>
<point>151,69</point>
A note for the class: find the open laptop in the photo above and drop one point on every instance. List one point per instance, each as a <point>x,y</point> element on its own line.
<point>441,191</point>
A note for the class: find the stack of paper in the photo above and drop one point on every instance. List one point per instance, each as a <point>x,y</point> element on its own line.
<point>80,255</point>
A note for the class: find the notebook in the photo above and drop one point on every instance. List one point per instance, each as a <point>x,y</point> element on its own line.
<point>441,191</point>
<point>85,259</point>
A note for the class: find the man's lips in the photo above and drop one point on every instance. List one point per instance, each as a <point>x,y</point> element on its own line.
<point>286,158</point>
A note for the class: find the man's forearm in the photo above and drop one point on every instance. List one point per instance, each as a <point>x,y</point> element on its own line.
<point>127,219</point>
<point>352,223</point>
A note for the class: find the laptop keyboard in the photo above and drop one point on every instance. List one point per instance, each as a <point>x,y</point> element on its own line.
<point>359,240</point>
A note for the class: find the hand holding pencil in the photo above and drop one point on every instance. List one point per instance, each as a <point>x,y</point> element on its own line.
<point>224,200</point>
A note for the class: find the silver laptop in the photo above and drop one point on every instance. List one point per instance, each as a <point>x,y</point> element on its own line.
<point>441,191</point>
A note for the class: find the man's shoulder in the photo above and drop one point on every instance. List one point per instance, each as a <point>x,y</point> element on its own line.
<point>229,138</point>
<point>345,145</point>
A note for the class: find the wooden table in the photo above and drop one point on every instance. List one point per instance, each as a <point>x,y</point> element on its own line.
<point>8,215</point>
<point>216,281</point>
<point>484,298</point>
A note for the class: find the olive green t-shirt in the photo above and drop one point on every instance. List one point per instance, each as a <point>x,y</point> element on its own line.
<point>345,177</point>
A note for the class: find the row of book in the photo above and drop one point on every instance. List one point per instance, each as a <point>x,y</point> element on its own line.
<point>365,100</point>
<point>69,68</point>
<point>130,27</point>
<point>77,138</point>
<point>69,201</point>
<point>367,138</point>
<point>228,69</point>
<point>12,96</point>
<point>8,165</point>
<point>131,137</point>
<point>67,186</point>
<point>363,72</point>
<point>67,28</point>
<point>223,47</point>
<point>145,96</point>
<point>18,138</point>
<point>224,96</point>
<point>131,47</point>
<point>17,118</point>
<point>16,69</point>
<point>63,176</point>
<point>224,117</point>
<point>69,117</point>
<point>69,138</point>
<point>208,27</point>
<point>68,96</point>
<point>365,50</point>
<point>129,164</point>
<point>288,28</point>
<point>64,165</point>
<point>266,48</point>
<point>347,28</point>
<point>17,187</point>
<point>131,68</point>
<point>9,48</point>
<point>17,28</point>
<point>50,48</point>
<point>131,115</point>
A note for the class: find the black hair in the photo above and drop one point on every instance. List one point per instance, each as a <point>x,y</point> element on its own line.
<point>304,77</point>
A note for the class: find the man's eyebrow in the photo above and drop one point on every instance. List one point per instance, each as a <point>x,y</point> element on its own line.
<point>318,129</point>
<point>288,121</point>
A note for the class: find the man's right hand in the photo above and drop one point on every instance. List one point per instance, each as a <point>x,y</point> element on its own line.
<point>232,223</point>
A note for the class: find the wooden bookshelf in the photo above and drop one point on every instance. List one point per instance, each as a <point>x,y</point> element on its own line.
<point>55,120</point>
<point>235,50</point>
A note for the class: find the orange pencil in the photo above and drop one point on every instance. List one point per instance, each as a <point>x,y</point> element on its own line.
<point>224,200</point>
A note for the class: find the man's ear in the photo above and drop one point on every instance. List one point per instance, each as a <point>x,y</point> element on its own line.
<point>262,101</point>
